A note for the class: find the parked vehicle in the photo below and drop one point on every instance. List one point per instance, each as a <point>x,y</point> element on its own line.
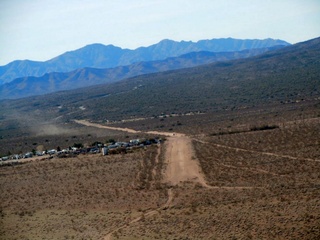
<point>28,155</point>
<point>52,151</point>
<point>94,150</point>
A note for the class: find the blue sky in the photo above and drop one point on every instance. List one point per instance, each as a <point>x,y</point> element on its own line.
<point>42,29</point>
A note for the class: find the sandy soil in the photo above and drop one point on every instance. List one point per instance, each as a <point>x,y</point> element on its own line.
<point>181,163</point>
<point>187,199</point>
<point>89,124</point>
<point>147,214</point>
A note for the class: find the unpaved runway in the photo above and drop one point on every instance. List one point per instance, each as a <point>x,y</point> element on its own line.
<point>181,162</point>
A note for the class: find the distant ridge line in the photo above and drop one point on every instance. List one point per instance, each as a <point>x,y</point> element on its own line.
<point>98,55</point>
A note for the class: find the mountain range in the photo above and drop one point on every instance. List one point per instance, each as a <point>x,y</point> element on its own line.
<point>101,56</point>
<point>84,77</point>
<point>281,77</point>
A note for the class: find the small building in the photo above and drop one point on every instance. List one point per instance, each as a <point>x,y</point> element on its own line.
<point>104,151</point>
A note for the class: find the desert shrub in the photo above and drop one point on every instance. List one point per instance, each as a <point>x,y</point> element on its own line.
<point>78,145</point>
<point>264,127</point>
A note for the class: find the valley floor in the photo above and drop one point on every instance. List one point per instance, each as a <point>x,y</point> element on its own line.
<point>261,184</point>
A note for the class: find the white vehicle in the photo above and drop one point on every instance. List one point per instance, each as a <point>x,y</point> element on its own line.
<point>52,151</point>
<point>4,158</point>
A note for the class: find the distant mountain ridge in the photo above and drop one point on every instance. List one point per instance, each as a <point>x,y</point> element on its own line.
<point>287,77</point>
<point>101,56</point>
<point>84,77</point>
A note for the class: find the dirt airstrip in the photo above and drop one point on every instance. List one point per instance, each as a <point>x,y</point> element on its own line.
<point>181,163</point>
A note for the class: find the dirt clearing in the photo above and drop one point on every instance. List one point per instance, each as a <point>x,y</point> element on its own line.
<point>90,124</point>
<point>181,163</point>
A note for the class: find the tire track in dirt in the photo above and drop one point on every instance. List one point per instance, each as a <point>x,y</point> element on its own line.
<point>253,170</point>
<point>259,152</point>
<point>154,170</point>
<point>145,215</point>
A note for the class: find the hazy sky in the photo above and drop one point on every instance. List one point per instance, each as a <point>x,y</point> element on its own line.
<point>43,29</point>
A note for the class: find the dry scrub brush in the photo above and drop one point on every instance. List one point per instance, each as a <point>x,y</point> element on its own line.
<point>92,183</point>
<point>201,213</point>
<point>297,139</point>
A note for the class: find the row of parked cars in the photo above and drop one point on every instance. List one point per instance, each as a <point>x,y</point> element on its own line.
<point>28,155</point>
<point>118,147</point>
<point>109,148</point>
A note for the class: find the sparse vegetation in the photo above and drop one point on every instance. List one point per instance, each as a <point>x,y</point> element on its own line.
<point>97,193</point>
<point>255,128</point>
<point>105,192</point>
<point>264,127</point>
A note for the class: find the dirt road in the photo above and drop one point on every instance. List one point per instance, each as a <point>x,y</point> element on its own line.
<point>90,124</point>
<point>181,162</point>
<point>128,130</point>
